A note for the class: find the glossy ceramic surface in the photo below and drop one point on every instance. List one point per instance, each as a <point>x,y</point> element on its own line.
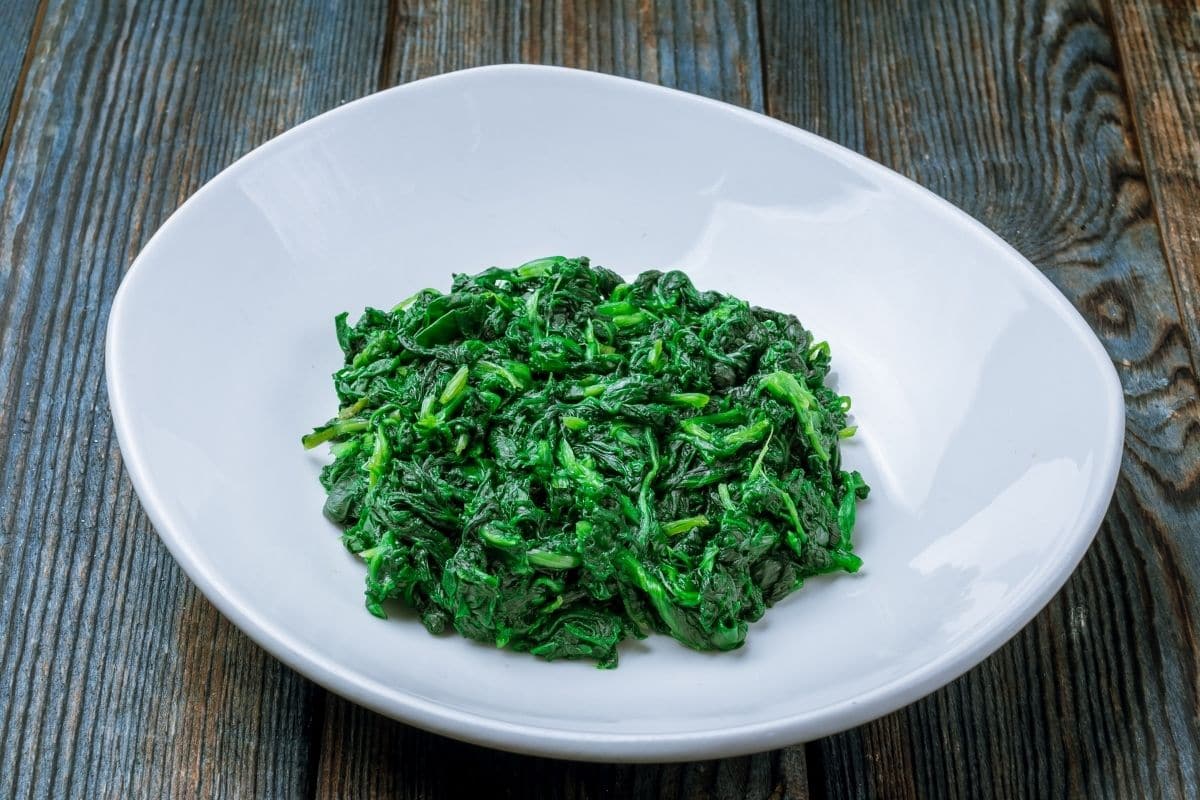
<point>990,417</point>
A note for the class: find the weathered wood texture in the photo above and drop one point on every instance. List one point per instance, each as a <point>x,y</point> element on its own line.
<point>19,24</point>
<point>1017,113</point>
<point>364,755</point>
<point>1069,127</point>
<point>705,46</point>
<point>116,678</point>
<point>1159,45</point>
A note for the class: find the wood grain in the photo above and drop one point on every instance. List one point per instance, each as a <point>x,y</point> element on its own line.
<point>1016,112</point>
<point>364,755</point>
<point>705,46</point>
<point>1159,46</point>
<point>20,21</point>
<point>116,678</point>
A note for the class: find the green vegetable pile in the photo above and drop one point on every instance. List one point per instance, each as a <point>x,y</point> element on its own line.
<point>552,460</point>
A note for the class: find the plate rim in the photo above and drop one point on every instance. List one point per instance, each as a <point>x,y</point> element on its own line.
<point>545,740</point>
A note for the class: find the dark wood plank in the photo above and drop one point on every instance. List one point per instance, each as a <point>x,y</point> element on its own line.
<point>20,21</point>
<point>703,46</point>
<point>1015,111</point>
<point>1159,46</point>
<point>116,678</point>
<point>375,757</point>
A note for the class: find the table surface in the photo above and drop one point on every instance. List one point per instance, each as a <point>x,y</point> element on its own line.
<point>1072,128</point>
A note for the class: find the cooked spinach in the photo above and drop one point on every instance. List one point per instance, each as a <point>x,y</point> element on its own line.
<point>552,460</point>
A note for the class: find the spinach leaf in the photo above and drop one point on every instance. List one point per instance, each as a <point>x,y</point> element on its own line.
<point>552,460</point>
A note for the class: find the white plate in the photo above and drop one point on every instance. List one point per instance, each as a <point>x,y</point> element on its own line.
<point>991,419</point>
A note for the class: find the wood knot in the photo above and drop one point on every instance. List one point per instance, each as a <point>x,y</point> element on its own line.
<point>1110,310</point>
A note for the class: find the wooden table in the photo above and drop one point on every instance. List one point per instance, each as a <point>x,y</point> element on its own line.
<point>1072,128</point>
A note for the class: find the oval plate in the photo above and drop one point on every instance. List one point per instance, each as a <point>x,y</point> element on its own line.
<point>990,417</point>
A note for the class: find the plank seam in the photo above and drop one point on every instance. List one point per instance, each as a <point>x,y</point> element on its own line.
<point>14,103</point>
<point>384,77</point>
<point>1136,132</point>
<point>316,741</point>
<point>814,769</point>
<point>760,18</point>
